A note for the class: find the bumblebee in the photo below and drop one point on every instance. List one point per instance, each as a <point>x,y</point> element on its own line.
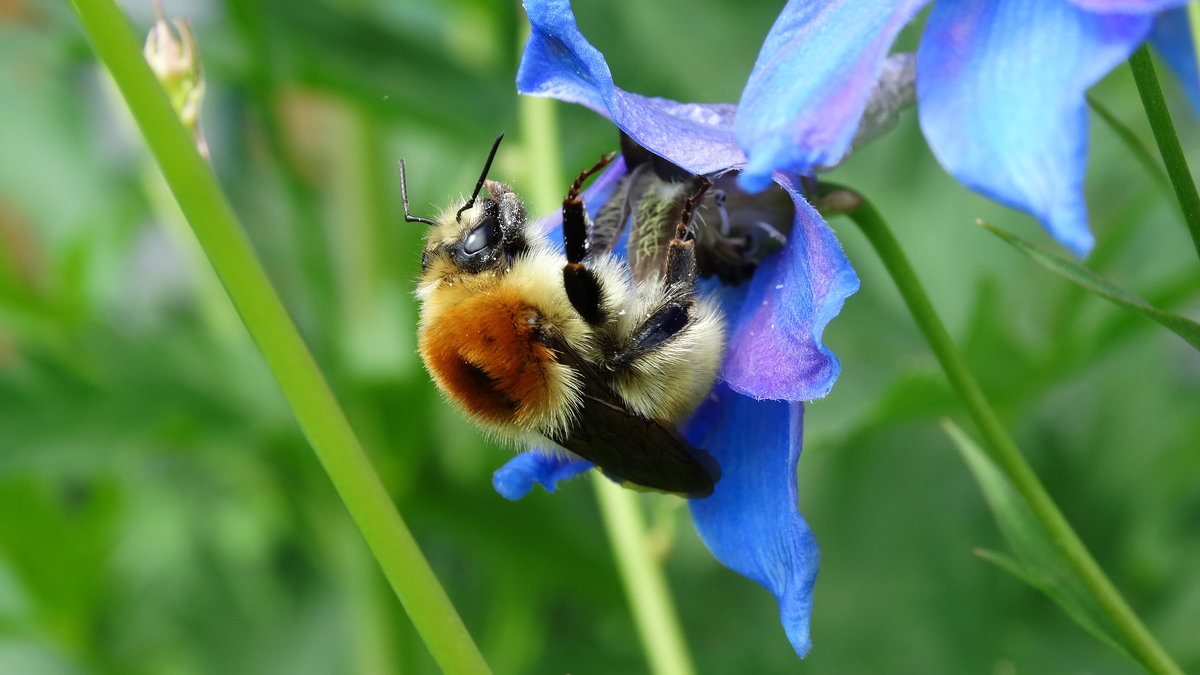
<point>572,349</point>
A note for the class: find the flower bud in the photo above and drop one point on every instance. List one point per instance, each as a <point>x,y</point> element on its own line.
<point>174,57</point>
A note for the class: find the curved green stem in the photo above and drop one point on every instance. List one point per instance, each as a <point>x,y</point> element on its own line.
<point>1001,447</point>
<point>649,598</point>
<point>1167,140</point>
<point>224,243</point>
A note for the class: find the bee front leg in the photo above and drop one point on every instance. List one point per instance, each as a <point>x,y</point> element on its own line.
<point>679,286</point>
<point>581,283</point>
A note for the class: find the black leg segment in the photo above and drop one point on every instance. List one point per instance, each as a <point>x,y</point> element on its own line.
<point>575,230</point>
<point>583,290</point>
<point>582,285</point>
<point>575,220</point>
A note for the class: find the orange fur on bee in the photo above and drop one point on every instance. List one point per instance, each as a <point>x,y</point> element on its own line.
<point>484,355</point>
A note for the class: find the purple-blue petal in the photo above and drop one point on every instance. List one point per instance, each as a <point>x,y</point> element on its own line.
<point>1172,37</point>
<point>752,522</point>
<point>809,87</point>
<point>1127,6</point>
<point>775,348</point>
<point>1000,90</point>
<point>517,477</point>
<point>560,63</point>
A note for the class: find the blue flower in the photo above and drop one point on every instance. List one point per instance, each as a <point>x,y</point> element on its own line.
<point>1000,84</point>
<point>751,422</point>
<point>1000,89</point>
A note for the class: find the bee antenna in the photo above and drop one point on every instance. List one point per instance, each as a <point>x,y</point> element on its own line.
<point>482,177</point>
<point>404,200</point>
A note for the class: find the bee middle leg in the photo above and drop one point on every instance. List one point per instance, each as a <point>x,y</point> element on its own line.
<point>678,287</point>
<point>679,269</point>
<point>581,283</point>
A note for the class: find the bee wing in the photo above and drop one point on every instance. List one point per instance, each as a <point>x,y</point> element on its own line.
<point>627,445</point>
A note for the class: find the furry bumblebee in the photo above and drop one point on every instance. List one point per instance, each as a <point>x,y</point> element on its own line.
<point>574,350</point>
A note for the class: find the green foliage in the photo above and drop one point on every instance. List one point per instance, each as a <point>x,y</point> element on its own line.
<point>1078,274</point>
<point>1038,561</point>
<point>163,512</point>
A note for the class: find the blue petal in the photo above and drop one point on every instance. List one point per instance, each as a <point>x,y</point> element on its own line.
<point>560,63</point>
<point>1000,90</point>
<point>752,523</point>
<point>516,478</point>
<point>1172,37</point>
<point>775,346</point>
<point>809,87</point>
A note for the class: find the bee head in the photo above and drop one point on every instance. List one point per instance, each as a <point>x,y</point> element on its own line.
<point>481,235</point>
<point>484,237</point>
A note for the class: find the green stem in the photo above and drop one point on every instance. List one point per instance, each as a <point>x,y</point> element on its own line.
<point>1001,447</point>
<point>1140,152</point>
<point>543,165</point>
<point>1168,141</point>
<point>653,611</point>
<point>216,227</point>
<point>645,587</point>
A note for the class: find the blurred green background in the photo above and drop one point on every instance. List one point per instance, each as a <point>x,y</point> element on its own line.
<point>161,512</point>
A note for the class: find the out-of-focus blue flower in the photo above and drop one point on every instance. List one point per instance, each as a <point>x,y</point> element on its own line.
<point>751,422</point>
<point>1000,89</point>
<point>1172,37</point>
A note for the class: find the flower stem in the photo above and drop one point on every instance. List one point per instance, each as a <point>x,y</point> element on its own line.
<point>649,600</point>
<point>543,165</point>
<point>653,611</point>
<point>224,243</point>
<point>1001,447</point>
<point>1167,140</point>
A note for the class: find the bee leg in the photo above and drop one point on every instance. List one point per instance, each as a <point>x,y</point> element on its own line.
<point>611,219</point>
<point>679,285</point>
<point>679,270</point>
<point>582,285</point>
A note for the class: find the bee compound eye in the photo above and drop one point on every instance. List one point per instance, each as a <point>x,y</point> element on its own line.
<point>486,235</point>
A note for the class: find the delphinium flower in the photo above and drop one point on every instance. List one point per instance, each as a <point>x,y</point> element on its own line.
<point>751,422</point>
<point>1000,89</point>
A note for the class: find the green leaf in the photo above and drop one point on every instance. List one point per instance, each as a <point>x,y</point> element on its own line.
<point>1037,560</point>
<point>313,403</point>
<point>1072,271</point>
